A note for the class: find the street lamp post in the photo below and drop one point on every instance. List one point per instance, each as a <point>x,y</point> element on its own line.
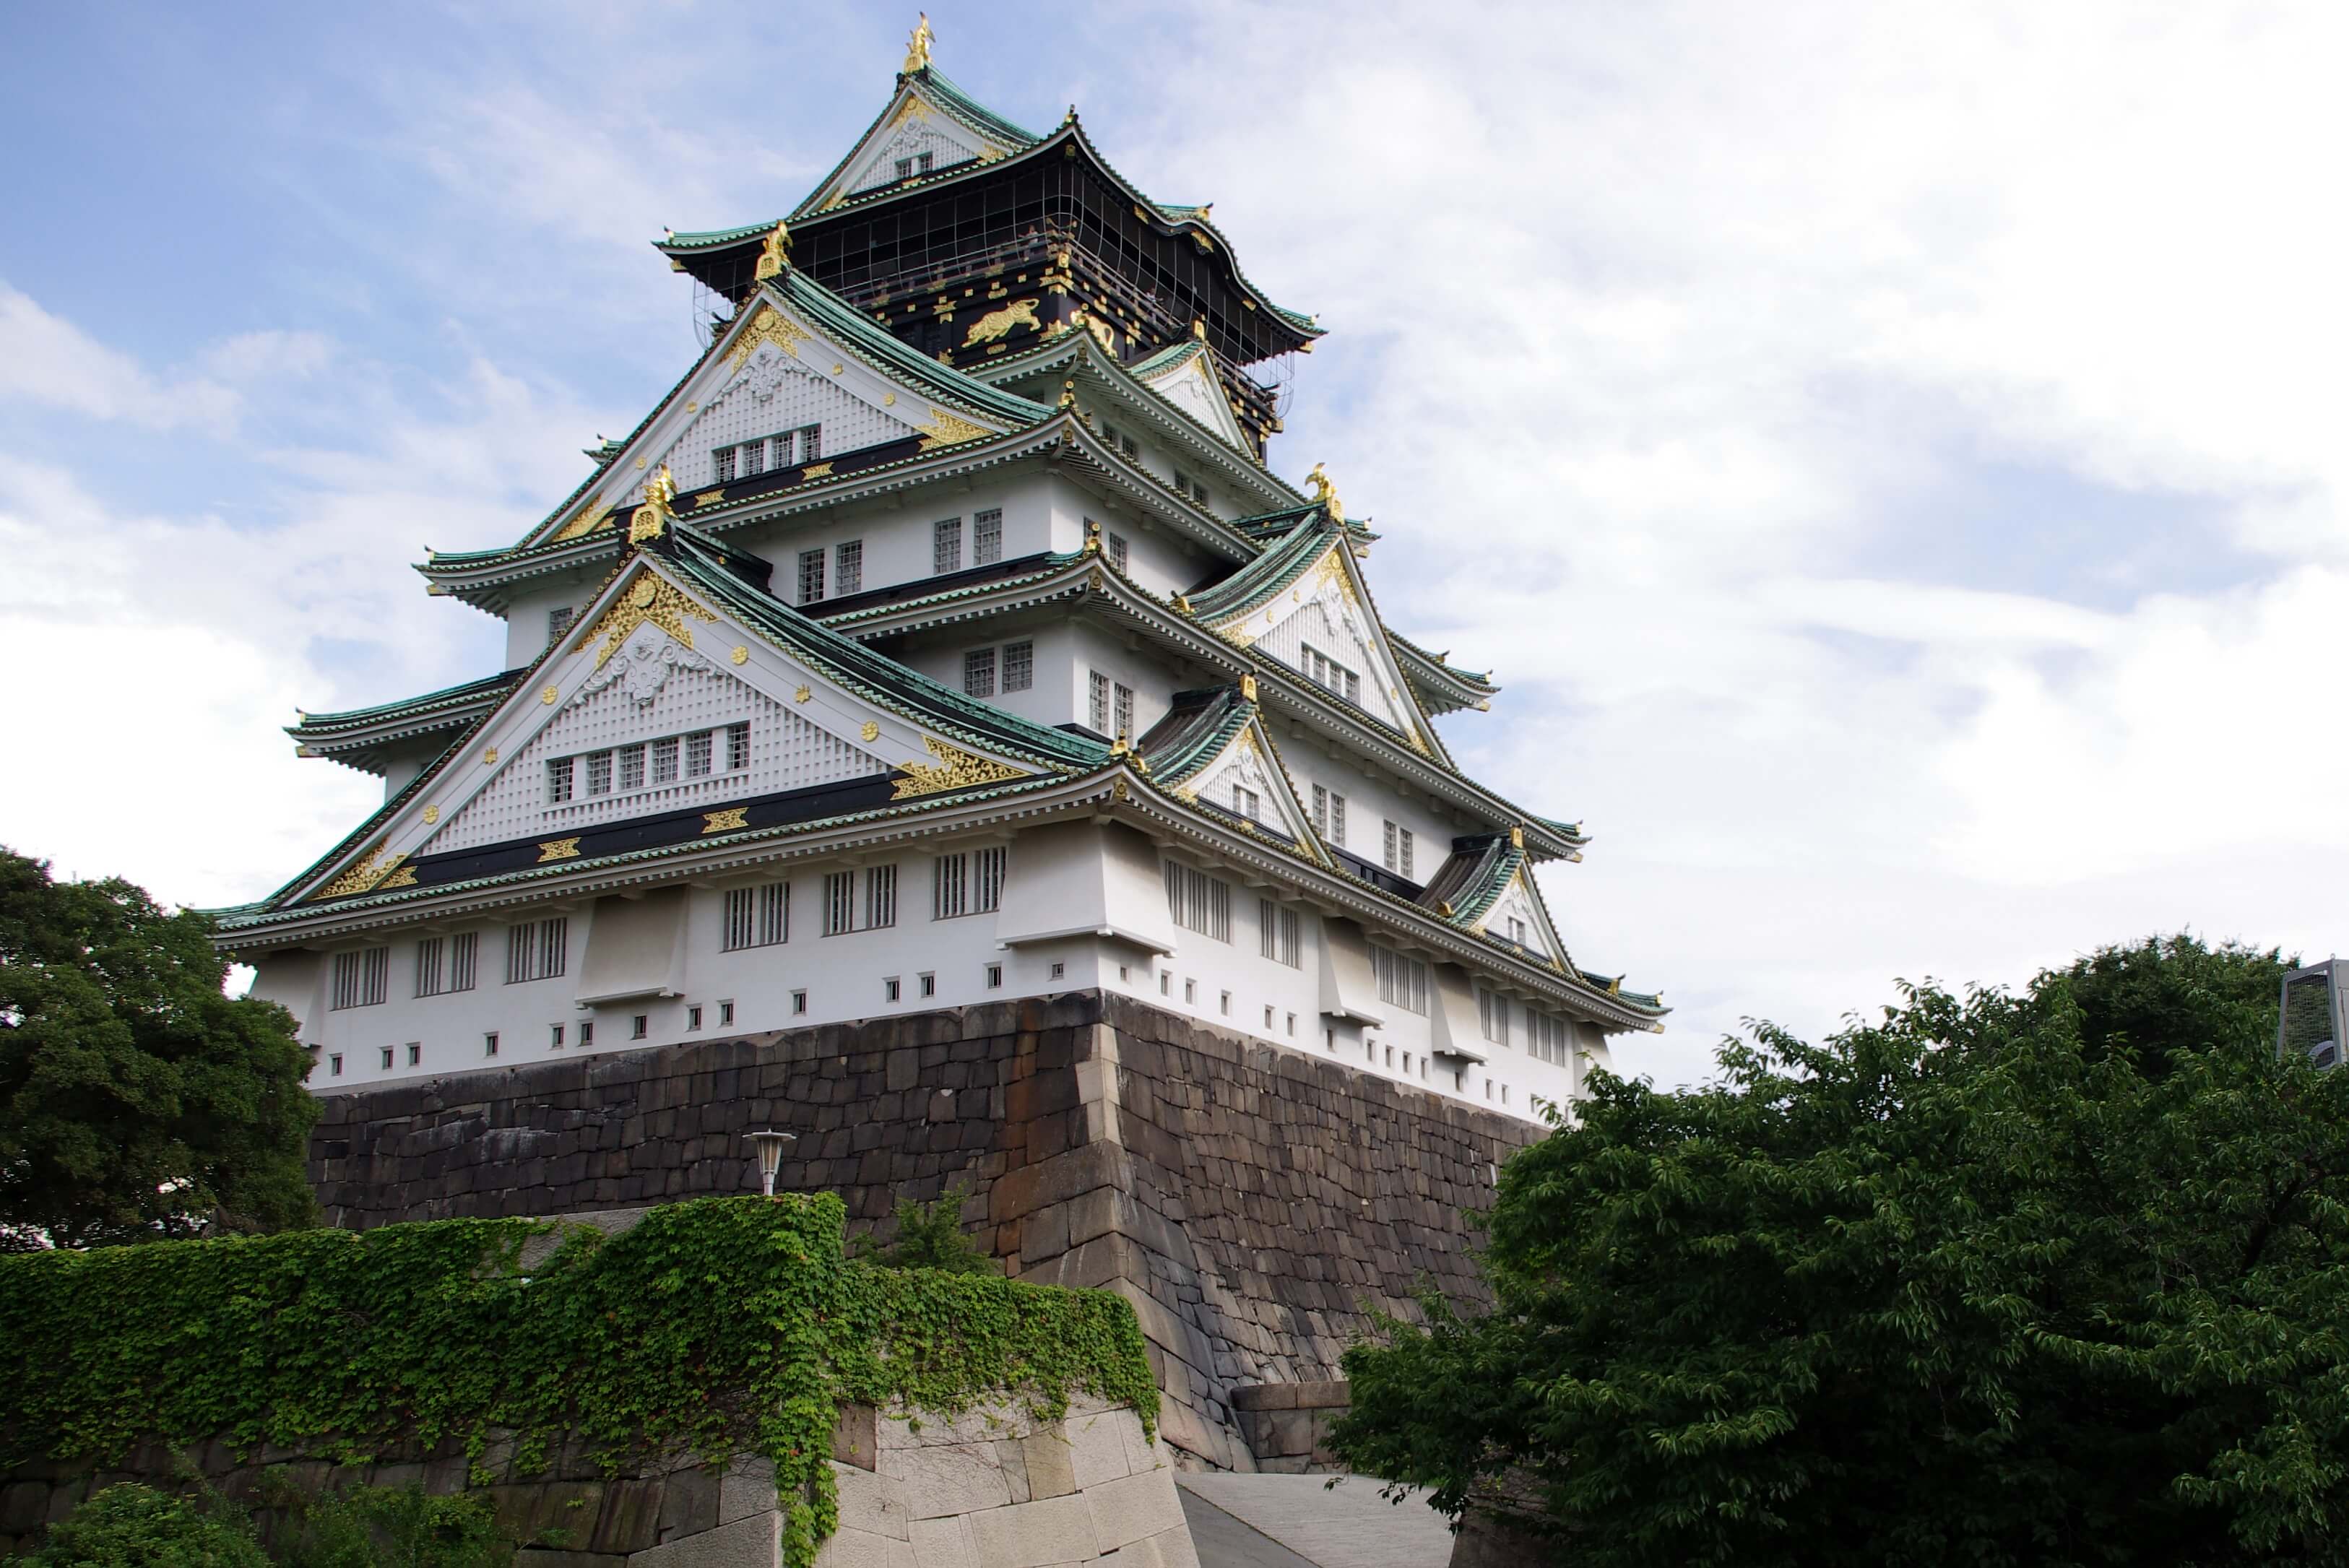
<point>771,1145</point>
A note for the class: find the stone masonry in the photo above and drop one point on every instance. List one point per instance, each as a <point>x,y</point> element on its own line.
<point>1256,1204</point>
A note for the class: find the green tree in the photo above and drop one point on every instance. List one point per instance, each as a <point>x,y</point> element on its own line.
<point>929,1237</point>
<point>133,1526</point>
<point>2053,1278</point>
<point>136,1100</point>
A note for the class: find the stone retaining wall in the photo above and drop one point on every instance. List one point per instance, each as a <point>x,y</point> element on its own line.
<point>1256,1204</point>
<point>992,1488</point>
<point>1287,1425</point>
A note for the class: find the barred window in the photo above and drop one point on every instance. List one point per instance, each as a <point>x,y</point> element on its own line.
<point>1018,665</point>
<point>987,537</point>
<point>1100,708</point>
<point>664,761</point>
<point>537,950</point>
<point>431,978</point>
<point>558,779</point>
<point>599,773</point>
<point>810,442</point>
<point>848,566</point>
<point>1546,1036</point>
<point>839,902</point>
<point>1118,550</point>
<point>1199,901</point>
<point>1248,803</point>
<point>989,866</point>
<point>1277,931</point>
<point>1401,981</point>
<point>737,747</point>
<point>945,545</point>
<point>1329,814</point>
<point>753,458</point>
<point>632,767</point>
<point>462,949</point>
<point>1121,709</point>
<point>1493,1016</point>
<point>811,576</point>
<point>881,895</point>
<point>696,753</point>
<point>1132,447</point>
<point>950,886</point>
<point>1397,848</point>
<point>904,169</point>
<point>758,916</point>
<point>725,459</point>
<point>979,672</point>
<point>558,621</point>
<point>361,978</point>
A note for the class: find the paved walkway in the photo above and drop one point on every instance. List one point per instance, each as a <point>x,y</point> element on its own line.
<point>1301,1522</point>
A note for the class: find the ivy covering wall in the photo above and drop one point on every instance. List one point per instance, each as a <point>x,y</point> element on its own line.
<point>722,1328</point>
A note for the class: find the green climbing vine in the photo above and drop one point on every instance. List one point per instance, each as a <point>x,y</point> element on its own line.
<point>720,1327</point>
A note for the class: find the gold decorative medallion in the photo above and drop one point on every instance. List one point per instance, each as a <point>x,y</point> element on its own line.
<point>432,815</point>
<point>1118,790</point>
<point>1247,689</point>
<point>888,399</point>
<point>816,471</point>
<point>769,325</point>
<point>838,369</point>
<point>651,600</point>
<point>490,757</point>
<point>558,849</point>
<point>709,497</point>
<point>368,870</point>
<point>741,655</point>
<point>954,769</point>
<point>724,822</point>
<point>548,695</point>
<point>871,731</point>
<point>946,430</point>
<point>802,695</point>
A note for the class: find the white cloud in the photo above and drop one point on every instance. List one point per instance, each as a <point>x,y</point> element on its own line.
<point>46,360</point>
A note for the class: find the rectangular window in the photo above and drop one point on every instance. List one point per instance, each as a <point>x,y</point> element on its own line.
<point>725,459</point>
<point>334,1064</point>
<point>891,989</point>
<point>431,977</point>
<point>1121,710</point>
<point>1403,862</point>
<point>1278,930</point>
<point>945,545</point>
<point>774,913</point>
<point>987,537</point>
<point>988,867</point>
<point>1248,803</point>
<point>632,767</point>
<point>740,904</point>
<point>1199,901</point>
<point>599,773</point>
<point>637,1027</point>
<point>754,457</point>
<point>490,1044</point>
<point>994,977</point>
<point>586,1032</point>
<point>558,779</point>
<point>950,886</point>
<point>664,761</point>
<point>737,747</point>
<point>1329,814</point>
<point>799,1001</point>
<point>1199,494</point>
<point>810,442</point>
<point>1100,708</point>
<point>725,1015</point>
<point>462,947</point>
<point>692,1018</point>
<point>1019,667</point>
<point>558,621</point>
<point>1401,981</point>
<point>554,1037</point>
<point>361,978</point>
<point>880,896</point>
<point>978,672</point>
<point>839,902</point>
<point>1132,448</point>
<point>416,1052</point>
<point>1118,552</point>
<point>848,567</point>
<point>926,984</point>
<point>811,576</point>
<point>1493,1016</point>
<point>537,950</point>
<point>698,749</point>
<point>904,169</point>
<point>387,1058</point>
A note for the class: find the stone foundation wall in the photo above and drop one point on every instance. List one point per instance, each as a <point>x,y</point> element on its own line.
<point>1256,1204</point>
<point>992,1488</point>
<point>1287,1425</point>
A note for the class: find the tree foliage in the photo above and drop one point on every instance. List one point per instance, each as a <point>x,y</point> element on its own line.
<point>929,1237</point>
<point>136,1100</point>
<point>130,1526</point>
<point>2052,1278</point>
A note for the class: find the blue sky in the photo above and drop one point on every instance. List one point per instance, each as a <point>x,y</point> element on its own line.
<point>1889,453</point>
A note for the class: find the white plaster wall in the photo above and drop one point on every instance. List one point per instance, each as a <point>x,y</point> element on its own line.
<point>1370,803</point>
<point>1091,648</point>
<point>526,617</point>
<point>899,540</point>
<point>845,977</point>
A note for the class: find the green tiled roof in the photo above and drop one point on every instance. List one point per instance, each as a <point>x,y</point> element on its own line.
<point>1196,728</point>
<point>1473,877</point>
<point>711,239</point>
<point>1282,563</point>
<point>318,725</point>
<point>1437,662</point>
<point>969,110</point>
<point>834,314</point>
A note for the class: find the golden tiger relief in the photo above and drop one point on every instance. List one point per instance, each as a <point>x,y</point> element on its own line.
<point>997,324</point>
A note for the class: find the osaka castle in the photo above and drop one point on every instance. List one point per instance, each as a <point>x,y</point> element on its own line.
<point>942,637</point>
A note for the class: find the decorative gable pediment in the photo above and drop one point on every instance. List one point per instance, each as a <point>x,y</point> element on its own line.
<point>655,705</point>
<point>1245,779</point>
<point>1519,915</point>
<point>1190,385</point>
<point>912,127</point>
<point>1321,627</point>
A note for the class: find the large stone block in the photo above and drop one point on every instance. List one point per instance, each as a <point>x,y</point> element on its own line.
<point>1097,1451</point>
<point>1034,1534</point>
<point>752,1542</point>
<point>951,1478</point>
<point>870,1502</point>
<point>1128,1509</point>
<point>943,1542</point>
